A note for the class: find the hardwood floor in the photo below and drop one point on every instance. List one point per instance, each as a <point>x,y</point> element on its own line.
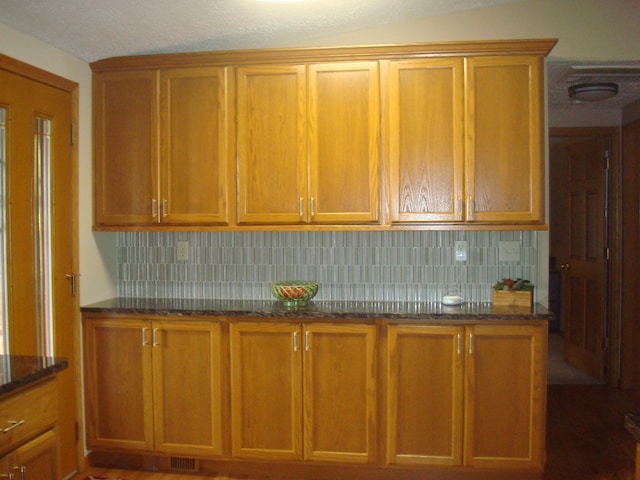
<point>586,438</point>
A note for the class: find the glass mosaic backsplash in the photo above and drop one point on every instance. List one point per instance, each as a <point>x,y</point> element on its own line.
<point>362,266</point>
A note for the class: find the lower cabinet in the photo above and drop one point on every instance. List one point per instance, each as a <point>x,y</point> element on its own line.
<point>154,385</point>
<point>472,396</point>
<point>303,391</point>
<point>29,445</point>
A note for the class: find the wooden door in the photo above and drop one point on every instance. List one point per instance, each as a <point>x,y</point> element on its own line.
<point>340,378</point>
<point>37,459</point>
<point>425,366</point>
<point>504,164</point>
<point>344,151</point>
<point>193,178</point>
<point>272,144</point>
<point>266,390</point>
<point>578,242</point>
<point>505,396</point>
<point>187,381</point>
<point>126,148</point>
<point>118,383</point>
<point>425,134</point>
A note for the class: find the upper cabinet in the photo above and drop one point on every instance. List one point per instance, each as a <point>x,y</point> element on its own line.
<point>308,143</point>
<point>419,136</point>
<point>161,147</point>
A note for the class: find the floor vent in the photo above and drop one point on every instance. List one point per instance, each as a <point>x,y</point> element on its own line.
<point>181,464</point>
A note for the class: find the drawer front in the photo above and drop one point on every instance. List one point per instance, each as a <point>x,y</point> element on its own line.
<point>27,413</point>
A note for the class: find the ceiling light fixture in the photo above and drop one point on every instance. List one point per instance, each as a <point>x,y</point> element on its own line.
<point>593,92</point>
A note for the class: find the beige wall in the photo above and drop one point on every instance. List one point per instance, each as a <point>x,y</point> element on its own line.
<point>587,30</point>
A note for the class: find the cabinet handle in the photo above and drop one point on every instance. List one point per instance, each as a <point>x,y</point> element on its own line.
<point>7,475</point>
<point>313,206</point>
<point>154,337</point>
<point>301,206</point>
<point>459,205</point>
<point>22,469</point>
<point>14,424</point>
<point>154,208</point>
<point>306,341</point>
<point>144,336</point>
<point>471,344</point>
<point>471,205</point>
<point>459,345</point>
<point>164,208</point>
<point>295,341</point>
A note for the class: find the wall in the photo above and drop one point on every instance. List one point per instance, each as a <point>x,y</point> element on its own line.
<point>380,266</point>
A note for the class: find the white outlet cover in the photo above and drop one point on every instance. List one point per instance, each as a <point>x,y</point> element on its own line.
<point>460,247</point>
<point>509,251</point>
<point>182,251</point>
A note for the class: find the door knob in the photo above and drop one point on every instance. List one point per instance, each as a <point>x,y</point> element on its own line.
<point>565,266</point>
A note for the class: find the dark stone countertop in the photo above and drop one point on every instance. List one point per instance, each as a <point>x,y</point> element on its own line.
<point>19,370</point>
<point>405,311</point>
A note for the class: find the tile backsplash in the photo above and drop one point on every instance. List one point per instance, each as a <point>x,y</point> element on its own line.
<point>363,266</point>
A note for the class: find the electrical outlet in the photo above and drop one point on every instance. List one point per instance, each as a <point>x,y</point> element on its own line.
<point>461,250</point>
<point>509,251</point>
<point>182,251</point>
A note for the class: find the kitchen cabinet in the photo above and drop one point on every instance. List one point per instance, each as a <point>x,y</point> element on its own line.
<point>161,147</point>
<point>469,396</point>
<point>465,141</point>
<point>303,391</point>
<point>29,446</point>
<point>308,143</point>
<point>154,385</point>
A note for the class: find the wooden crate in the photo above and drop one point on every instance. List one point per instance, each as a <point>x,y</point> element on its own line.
<point>505,298</point>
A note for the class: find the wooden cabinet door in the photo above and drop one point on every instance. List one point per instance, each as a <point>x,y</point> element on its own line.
<point>118,383</point>
<point>340,407</point>
<point>424,127</point>
<point>425,383</point>
<point>37,459</point>
<point>344,153</point>
<point>193,183</point>
<point>266,390</point>
<point>272,144</point>
<point>187,381</point>
<point>125,142</point>
<point>505,396</point>
<point>504,143</point>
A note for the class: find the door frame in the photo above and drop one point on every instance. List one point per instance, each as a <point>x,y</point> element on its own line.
<point>31,72</point>
<point>614,234</point>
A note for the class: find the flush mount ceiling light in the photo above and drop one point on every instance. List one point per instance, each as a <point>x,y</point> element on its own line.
<point>593,92</point>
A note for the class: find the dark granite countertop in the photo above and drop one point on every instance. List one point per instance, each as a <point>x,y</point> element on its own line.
<point>19,370</point>
<point>405,311</point>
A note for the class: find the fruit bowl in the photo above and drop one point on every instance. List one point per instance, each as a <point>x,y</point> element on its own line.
<point>294,293</point>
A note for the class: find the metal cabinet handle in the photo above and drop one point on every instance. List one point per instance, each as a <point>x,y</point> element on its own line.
<point>301,207</point>
<point>471,344</point>
<point>144,336</point>
<point>154,208</point>
<point>164,208</point>
<point>295,341</point>
<point>306,341</point>
<point>471,205</point>
<point>459,344</point>
<point>22,469</point>
<point>154,337</point>
<point>313,206</point>
<point>14,424</point>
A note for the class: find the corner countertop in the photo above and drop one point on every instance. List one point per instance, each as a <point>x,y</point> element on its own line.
<point>414,311</point>
<point>19,370</point>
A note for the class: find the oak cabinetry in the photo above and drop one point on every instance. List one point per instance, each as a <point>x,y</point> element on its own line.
<point>466,146</point>
<point>308,143</point>
<point>492,376</point>
<point>154,385</point>
<point>29,445</point>
<point>161,147</point>
<point>303,392</point>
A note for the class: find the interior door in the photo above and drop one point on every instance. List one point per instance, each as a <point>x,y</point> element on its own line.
<point>41,169</point>
<point>578,242</point>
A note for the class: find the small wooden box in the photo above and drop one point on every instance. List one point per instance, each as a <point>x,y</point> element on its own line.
<point>505,298</point>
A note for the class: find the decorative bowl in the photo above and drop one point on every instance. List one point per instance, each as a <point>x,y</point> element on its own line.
<point>293,293</point>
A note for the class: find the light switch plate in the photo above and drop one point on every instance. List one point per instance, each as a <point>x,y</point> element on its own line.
<point>182,251</point>
<point>461,250</point>
<point>509,252</point>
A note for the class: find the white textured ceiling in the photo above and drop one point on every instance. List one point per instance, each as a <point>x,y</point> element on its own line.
<point>96,29</point>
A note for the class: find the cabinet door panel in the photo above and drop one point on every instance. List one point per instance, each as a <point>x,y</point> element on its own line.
<point>126,156</point>
<point>194,146</point>
<point>38,459</point>
<point>505,168</point>
<point>344,142</point>
<point>425,393</point>
<point>118,382</point>
<point>271,144</point>
<point>340,393</point>
<point>425,127</point>
<point>506,396</point>
<point>187,374</point>
<point>266,391</point>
